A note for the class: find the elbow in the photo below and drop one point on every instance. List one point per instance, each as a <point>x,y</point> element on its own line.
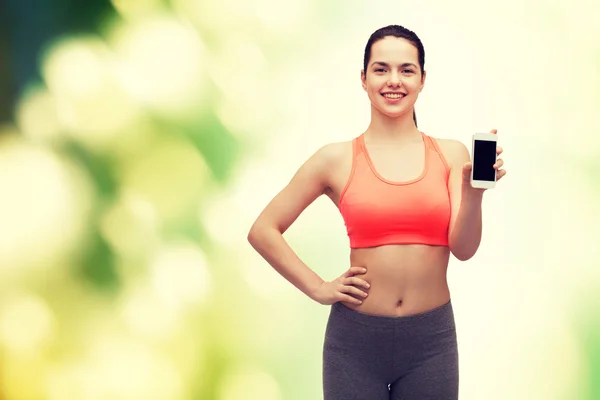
<point>463,253</point>
<point>463,247</point>
<point>255,234</point>
<point>462,256</point>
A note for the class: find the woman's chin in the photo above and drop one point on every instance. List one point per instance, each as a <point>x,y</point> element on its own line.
<point>394,113</point>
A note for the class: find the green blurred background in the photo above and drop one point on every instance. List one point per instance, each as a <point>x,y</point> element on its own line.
<point>139,140</point>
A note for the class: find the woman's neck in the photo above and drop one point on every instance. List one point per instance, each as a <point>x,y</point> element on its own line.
<point>385,129</point>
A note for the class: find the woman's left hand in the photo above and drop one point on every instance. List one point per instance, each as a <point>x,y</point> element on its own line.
<point>468,166</point>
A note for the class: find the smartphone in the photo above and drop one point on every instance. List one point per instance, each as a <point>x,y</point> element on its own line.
<point>483,174</point>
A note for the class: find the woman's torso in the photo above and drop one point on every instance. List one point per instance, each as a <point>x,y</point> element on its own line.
<point>405,278</point>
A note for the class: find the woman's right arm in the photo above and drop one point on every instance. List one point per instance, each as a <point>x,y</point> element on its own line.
<point>266,235</point>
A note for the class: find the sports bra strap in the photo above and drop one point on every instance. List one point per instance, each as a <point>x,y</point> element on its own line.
<point>356,147</point>
<point>437,149</point>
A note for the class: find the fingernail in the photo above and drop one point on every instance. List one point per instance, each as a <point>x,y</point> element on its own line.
<point>364,269</point>
<point>368,286</point>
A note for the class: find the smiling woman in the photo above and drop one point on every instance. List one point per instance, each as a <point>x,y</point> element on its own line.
<point>411,43</point>
<point>407,203</point>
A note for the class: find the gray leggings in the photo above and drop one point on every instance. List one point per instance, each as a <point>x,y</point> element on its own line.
<point>370,357</point>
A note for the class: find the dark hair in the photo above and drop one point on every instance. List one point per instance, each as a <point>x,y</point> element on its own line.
<point>398,32</point>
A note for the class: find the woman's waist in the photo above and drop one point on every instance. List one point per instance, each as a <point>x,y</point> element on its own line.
<point>401,259</point>
<point>401,302</point>
<point>402,280</point>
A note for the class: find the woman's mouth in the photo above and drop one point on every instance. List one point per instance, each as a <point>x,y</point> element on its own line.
<point>393,97</point>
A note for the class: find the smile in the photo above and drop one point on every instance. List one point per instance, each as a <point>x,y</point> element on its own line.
<point>393,95</point>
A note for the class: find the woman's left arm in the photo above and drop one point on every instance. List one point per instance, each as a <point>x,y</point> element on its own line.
<point>464,234</point>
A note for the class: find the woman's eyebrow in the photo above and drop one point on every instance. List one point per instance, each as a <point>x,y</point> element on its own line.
<point>384,64</point>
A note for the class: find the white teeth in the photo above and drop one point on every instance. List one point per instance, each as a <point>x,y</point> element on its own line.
<point>393,95</point>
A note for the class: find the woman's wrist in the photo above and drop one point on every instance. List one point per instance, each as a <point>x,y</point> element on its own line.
<point>471,195</point>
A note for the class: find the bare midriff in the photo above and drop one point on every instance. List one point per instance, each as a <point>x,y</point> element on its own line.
<point>404,279</point>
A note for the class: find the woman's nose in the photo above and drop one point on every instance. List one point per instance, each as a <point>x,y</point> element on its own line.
<point>394,80</point>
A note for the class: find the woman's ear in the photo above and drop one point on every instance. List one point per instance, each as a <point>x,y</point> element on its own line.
<point>363,79</point>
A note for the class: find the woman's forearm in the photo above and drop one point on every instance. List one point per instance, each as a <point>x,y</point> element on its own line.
<point>271,245</point>
<point>465,237</point>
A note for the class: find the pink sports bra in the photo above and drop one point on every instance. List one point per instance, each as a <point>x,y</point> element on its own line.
<point>378,212</point>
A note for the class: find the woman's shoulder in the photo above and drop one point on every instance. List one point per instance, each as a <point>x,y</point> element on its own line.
<point>332,153</point>
<point>452,149</point>
<point>328,158</point>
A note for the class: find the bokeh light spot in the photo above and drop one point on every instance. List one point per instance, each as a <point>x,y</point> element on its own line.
<point>36,115</point>
<point>170,174</point>
<point>162,63</point>
<point>43,207</point>
<point>130,226</point>
<point>248,382</point>
<point>91,103</point>
<point>26,323</point>
<point>180,275</point>
<point>147,316</point>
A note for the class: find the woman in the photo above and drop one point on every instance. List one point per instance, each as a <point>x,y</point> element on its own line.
<point>407,204</point>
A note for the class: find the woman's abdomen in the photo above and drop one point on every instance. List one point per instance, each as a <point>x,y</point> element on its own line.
<point>404,279</point>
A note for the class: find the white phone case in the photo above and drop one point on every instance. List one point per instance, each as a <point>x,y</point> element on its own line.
<point>484,137</point>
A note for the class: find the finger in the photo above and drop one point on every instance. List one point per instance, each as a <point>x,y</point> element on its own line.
<point>357,281</point>
<point>499,163</point>
<point>499,150</point>
<point>352,290</point>
<point>348,299</point>
<point>467,170</point>
<point>494,131</point>
<point>354,271</point>
<point>500,174</point>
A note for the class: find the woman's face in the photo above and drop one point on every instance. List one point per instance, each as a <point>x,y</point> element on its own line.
<point>393,79</point>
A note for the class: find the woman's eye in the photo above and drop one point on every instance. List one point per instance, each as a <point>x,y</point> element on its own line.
<point>379,70</point>
<point>410,71</point>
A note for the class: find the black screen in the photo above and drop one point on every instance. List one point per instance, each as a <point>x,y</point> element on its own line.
<point>484,158</point>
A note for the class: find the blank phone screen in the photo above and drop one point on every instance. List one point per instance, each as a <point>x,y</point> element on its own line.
<point>484,158</point>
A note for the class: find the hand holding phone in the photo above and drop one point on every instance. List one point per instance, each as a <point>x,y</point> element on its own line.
<point>483,173</point>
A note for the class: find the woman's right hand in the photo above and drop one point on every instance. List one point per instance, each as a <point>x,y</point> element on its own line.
<point>341,288</point>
